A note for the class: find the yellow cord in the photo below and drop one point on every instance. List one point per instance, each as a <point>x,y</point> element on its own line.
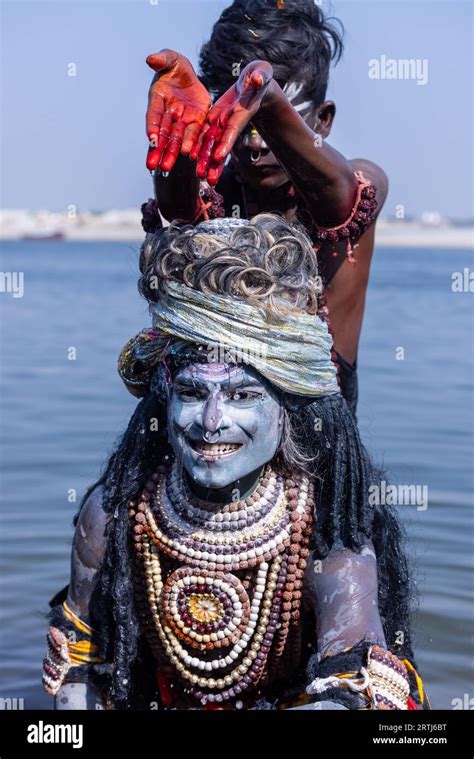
<point>419,681</point>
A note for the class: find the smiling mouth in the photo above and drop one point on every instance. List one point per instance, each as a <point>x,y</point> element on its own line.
<point>212,451</point>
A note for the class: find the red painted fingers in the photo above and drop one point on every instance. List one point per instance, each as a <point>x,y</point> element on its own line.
<point>210,138</point>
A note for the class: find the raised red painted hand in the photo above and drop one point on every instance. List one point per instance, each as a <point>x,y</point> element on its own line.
<point>228,117</point>
<point>177,107</point>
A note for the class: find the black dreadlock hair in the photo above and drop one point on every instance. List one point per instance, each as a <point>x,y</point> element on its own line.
<point>342,472</point>
<point>298,41</point>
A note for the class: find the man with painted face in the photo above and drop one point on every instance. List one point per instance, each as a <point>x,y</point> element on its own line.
<point>230,556</point>
<point>266,68</point>
<point>222,421</point>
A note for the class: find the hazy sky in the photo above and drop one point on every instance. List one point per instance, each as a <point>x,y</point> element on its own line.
<point>80,140</point>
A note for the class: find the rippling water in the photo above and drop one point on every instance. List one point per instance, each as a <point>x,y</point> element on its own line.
<point>60,417</point>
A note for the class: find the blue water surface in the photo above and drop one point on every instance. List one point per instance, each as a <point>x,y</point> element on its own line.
<point>60,417</point>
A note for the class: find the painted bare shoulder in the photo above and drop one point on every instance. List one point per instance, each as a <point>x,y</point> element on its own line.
<point>343,589</point>
<point>88,549</point>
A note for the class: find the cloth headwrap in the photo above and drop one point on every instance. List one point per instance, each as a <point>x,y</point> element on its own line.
<point>294,354</point>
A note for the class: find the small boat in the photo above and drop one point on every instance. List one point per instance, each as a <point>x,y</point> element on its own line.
<point>44,236</point>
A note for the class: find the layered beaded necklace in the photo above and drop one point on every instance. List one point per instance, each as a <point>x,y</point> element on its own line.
<point>218,587</point>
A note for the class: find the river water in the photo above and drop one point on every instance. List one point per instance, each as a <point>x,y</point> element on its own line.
<point>61,416</point>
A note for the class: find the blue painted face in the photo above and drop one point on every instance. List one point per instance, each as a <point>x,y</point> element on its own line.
<point>224,422</point>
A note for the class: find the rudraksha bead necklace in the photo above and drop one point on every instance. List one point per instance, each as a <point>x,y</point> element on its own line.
<point>219,586</point>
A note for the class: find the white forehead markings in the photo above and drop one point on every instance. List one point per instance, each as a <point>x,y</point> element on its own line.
<point>292,90</point>
<point>213,371</point>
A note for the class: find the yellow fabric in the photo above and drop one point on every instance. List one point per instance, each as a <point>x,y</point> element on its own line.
<point>82,626</point>
<point>83,651</point>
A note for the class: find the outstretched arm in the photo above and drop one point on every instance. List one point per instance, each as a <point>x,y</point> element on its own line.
<point>322,175</point>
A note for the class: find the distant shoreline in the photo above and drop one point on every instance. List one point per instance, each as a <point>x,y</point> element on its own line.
<point>393,236</point>
<point>113,227</point>
<point>382,240</point>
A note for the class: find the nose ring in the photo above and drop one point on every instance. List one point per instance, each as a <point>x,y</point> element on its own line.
<point>211,437</point>
<point>255,155</point>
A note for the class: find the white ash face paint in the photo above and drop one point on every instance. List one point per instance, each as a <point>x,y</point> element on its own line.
<point>294,93</point>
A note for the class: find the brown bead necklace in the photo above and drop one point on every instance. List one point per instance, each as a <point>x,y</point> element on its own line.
<point>218,587</point>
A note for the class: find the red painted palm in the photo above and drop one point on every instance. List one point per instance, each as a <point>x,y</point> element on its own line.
<point>177,108</point>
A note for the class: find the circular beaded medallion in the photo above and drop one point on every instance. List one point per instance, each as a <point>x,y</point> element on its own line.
<point>205,612</point>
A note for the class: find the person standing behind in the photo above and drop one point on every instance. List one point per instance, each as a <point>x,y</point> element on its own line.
<point>262,145</point>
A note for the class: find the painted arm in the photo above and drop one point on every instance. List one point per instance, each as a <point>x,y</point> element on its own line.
<point>344,592</point>
<point>183,129</point>
<point>88,549</point>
